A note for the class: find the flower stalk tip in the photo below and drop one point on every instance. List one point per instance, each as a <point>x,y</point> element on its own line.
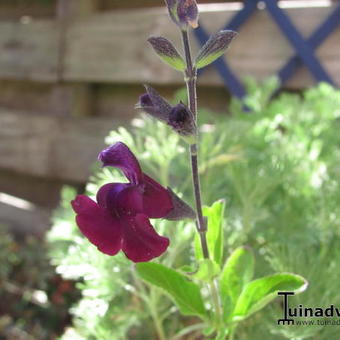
<point>183,13</point>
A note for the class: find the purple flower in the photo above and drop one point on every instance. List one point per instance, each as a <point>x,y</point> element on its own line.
<point>120,218</point>
<point>183,12</point>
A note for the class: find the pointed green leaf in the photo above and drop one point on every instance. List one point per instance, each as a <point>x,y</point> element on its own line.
<point>259,293</point>
<point>167,52</point>
<point>185,293</point>
<point>215,216</point>
<point>207,270</point>
<point>214,48</point>
<point>237,272</point>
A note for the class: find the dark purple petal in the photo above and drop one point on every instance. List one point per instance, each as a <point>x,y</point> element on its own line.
<point>130,201</point>
<point>98,225</point>
<point>121,199</point>
<point>141,243</point>
<point>107,195</point>
<point>156,199</point>
<point>149,198</point>
<point>120,156</point>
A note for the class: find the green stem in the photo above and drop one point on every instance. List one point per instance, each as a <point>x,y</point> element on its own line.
<point>155,315</point>
<point>215,298</point>
<point>151,300</point>
<point>232,332</point>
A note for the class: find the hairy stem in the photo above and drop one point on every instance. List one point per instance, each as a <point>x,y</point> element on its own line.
<point>200,221</point>
<point>190,80</point>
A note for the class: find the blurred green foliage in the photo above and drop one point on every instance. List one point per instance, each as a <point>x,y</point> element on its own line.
<point>34,300</point>
<point>277,168</point>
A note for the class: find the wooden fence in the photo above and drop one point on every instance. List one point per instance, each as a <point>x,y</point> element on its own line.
<point>71,71</point>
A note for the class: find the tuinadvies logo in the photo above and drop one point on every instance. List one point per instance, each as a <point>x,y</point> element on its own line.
<point>306,312</point>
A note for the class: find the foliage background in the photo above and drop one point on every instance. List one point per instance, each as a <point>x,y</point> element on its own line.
<point>277,167</point>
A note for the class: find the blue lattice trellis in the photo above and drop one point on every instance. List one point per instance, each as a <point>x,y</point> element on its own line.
<point>304,48</point>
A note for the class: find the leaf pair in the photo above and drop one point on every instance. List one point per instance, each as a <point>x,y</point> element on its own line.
<point>242,297</point>
<point>213,49</point>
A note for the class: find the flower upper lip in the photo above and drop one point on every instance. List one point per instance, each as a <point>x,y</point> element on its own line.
<point>119,155</point>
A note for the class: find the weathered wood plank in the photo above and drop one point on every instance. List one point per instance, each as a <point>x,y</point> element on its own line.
<point>118,4</point>
<point>116,50</point>
<point>39,191</point>
<point>16,9</point>
<point>81,93</point>
<point>34,97</point>
<point>29,50</point>
<point>51,147</point>
<point>31,221</point>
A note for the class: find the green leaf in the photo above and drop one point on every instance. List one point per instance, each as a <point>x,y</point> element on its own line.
<point>237,272</point>
<point>259,293</point>
<point>186,269</point>
<point>167,52</point>
<point>215,215</point>
<point>214,48</point>
<point>208,330</point>
<point>207,270</point>
<point>185,293</point>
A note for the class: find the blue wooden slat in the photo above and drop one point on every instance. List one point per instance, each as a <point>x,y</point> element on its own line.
<point>326,28</point>
<point>304,51</point>
<point>229,79</point>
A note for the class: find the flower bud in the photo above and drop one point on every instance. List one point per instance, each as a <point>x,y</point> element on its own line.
<point>145,103</point>
<point>183,12</point>
<point>154,104</point>
<point>182,121</point>
<point>178,117</point>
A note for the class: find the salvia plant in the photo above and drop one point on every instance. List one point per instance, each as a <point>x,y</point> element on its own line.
<point>216,289</point>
